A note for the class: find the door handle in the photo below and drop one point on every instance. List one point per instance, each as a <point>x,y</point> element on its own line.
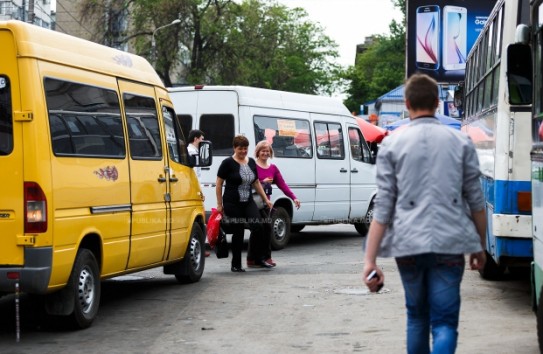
<point>354,170</point>
<point>174,179</point>
<point>161,179</point>
<point>342,170</point>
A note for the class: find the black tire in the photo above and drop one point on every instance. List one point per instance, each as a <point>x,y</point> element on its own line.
<point>85,287</point>
<point>539,318</point>
<point>191,268</point>
<point>296,228</point>
<point>363,227</point>
<point>491,270</point>
<point>280,226</point>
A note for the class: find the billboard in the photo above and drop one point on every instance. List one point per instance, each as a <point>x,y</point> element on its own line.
<point>440,35</point>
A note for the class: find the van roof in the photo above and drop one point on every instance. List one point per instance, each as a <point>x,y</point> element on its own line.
<point>259,97</point>
<point>36,42</point>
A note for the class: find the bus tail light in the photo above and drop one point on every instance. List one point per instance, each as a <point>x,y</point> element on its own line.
<point>35,208</point>
<point>524,201</point>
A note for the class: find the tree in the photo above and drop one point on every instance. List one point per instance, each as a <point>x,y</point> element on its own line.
<point>380,67</point>
<point>256,43</point>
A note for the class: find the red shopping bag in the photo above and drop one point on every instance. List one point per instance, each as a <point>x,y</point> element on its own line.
<point>213,226</point>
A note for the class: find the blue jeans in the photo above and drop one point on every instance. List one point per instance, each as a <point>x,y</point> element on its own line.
<point>432,296</point>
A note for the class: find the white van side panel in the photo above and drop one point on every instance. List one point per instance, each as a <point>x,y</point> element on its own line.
<point>298,173</point>
<point>332,193</point>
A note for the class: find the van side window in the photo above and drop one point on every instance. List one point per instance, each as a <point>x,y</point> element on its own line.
<point>219,129</point>
<point>185,122</point>
<point>6,123</point>
<point>288,137</point>
<point>359,149</point>
<point>329,141</point>
<point>85,121</point>
<point>143,128</point>
<point>177,149</point>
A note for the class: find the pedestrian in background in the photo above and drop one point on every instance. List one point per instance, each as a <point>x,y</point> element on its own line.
<point>239,176</point>
<point>268,174</point>
<point>195,138</point>
<point>193,148</point>
<point>429,212</point>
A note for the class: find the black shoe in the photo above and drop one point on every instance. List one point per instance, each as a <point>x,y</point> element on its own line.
<point>237,269</point>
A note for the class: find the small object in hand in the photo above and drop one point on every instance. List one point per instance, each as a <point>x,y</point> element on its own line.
<point>373,275</point>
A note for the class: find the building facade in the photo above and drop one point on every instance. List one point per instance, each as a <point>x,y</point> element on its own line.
<point>37,12</point>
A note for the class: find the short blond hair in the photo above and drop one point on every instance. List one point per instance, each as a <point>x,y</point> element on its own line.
<point>261,145</point>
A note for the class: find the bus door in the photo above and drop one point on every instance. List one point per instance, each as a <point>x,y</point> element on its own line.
<point>148,175</point>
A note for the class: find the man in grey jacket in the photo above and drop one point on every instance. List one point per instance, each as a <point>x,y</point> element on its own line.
<point>429,212</point>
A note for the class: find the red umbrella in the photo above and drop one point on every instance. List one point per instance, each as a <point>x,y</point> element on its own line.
<point>372,133</point>
<point>476,134</point>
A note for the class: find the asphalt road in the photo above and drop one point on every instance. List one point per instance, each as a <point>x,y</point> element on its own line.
<point>312,302</point>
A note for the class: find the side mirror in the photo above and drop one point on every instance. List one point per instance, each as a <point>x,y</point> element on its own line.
<point>205,156</point>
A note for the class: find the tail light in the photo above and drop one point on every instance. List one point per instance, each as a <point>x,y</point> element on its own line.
<point>35,208</point>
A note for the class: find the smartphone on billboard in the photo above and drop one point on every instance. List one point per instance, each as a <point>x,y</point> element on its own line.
<point>454,37</point>
<point>427,35</point>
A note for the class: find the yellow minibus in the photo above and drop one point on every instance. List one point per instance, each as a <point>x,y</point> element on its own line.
<point>96,179</point>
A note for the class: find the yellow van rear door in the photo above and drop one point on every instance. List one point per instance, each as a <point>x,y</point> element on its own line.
<point>148,167</point>
<point>11,156</point>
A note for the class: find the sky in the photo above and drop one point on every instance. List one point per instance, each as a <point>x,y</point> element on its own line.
<point>349,22</point>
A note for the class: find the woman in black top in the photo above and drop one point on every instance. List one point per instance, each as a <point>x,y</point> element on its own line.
<point>239,173</point>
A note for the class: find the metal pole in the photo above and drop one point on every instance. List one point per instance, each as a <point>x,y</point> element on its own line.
<point>153,42</point>
<point>17,315</point>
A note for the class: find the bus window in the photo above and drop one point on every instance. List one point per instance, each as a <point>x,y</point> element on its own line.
<point>519,74</point>
<point>6,123</point>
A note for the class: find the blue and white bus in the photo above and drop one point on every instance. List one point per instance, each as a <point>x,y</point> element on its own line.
<point>536,38</point>
<point>497,110</point>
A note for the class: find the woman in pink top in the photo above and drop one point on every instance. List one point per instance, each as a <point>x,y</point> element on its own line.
<point>269,174</point>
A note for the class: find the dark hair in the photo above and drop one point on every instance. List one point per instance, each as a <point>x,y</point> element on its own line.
<point>422,92</point>
<point>240,141</point>
<point>194,134</point>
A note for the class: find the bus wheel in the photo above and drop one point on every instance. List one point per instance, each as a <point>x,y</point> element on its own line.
<point>191,268</point>
<point>491,270</point>
<point>84,285</point>
<point>280,225</point>
<point>540,321</point>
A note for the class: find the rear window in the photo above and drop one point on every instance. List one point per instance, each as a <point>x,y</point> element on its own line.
<point>6,121</point>
<point>219,129</point>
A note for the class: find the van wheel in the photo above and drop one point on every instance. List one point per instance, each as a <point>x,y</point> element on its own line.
<point>85,287</point>
<point>539,318</point>
<point>280,225</point>
<point>296,228</point>
<point>363,227</point>
<point>191,268</point>
<point>491,270</point>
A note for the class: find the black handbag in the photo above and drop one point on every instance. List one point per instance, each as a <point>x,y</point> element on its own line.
<point>221,247</point>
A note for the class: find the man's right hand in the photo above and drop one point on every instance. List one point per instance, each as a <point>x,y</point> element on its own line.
<point>477,260</point>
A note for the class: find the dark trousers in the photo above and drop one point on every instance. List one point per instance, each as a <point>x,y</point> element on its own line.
<point>239,215</point>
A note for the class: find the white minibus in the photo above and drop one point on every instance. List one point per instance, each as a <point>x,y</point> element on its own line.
<point>318,147</point>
